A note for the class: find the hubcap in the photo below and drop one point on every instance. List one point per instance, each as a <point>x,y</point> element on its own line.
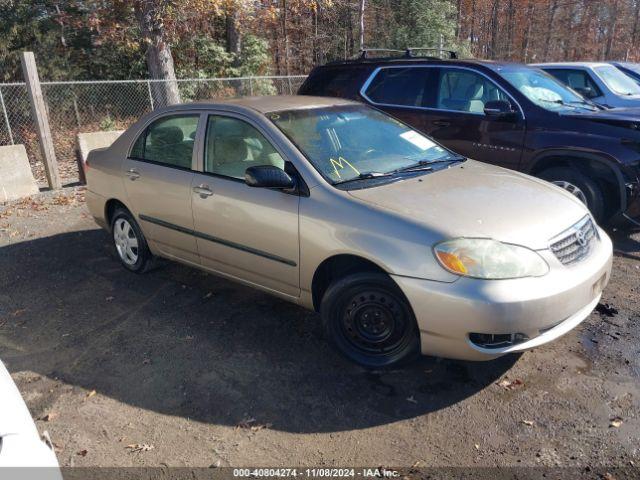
<point>126,241</point>
<point>572,189</point>
<point>373,322</point>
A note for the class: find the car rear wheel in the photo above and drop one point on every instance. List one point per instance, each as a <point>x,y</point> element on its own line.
<point>370,321</point>
<point>129,242</point>
<point>580,186</point>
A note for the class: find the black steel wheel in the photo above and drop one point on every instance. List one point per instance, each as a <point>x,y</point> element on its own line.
<point>369,320</point>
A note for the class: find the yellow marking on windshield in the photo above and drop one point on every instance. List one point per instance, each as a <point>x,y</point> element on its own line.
<point>341,162</point>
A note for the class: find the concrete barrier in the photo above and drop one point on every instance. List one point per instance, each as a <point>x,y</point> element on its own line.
<point>16,179</point>
<point>91,141</point>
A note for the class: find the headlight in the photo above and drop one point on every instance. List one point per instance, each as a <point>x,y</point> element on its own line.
<point>489,259</point>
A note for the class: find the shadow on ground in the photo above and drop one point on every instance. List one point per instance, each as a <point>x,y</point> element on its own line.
<point>626,242</point>
<point>181,342</point>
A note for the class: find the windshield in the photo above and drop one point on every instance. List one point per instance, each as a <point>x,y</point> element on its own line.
<point>544,90</point>
<point>617,81</point>
<point>357,142</point>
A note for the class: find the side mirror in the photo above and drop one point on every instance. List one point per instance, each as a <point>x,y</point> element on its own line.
<point>586,92</point>
<point>268,176</point>
<point>499,109</point>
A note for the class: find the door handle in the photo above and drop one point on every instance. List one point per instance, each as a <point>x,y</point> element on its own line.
<point>441,123</point>
<point>133,174</point>
<point>203,190</point>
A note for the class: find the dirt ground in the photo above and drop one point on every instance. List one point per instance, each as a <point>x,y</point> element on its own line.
<point>180,368</point>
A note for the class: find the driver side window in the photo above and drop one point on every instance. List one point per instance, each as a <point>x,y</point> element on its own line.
<point>233,145</point>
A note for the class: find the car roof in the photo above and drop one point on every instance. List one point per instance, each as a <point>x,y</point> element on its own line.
<point>569,64</point>
<point>267,104</point>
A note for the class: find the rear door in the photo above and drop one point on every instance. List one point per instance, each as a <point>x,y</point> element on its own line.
<point>158,176</point>
<point>447,103</point>
<point>247,233</point>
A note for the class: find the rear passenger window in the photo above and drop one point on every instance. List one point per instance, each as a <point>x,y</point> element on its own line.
<point>466,91</point>
<point>402,86</point>
<point>168,141</point>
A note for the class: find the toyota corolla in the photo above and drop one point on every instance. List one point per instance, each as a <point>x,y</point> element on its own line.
<point>402,246</point>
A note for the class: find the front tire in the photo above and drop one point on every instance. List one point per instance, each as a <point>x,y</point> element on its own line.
<point>580,186</point>
<point>369,320</point>
<point>129,242</point>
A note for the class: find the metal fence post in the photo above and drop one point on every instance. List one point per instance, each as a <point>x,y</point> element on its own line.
<point>6,117</point>
<point>39,110</point>
<point>250,86</point>
<point>150,95</point>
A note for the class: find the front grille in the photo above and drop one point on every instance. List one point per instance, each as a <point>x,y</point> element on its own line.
<point>574,244</point>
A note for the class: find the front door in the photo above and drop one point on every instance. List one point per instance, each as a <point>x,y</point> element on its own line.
<point>158,176</point>
<point>247,233</point>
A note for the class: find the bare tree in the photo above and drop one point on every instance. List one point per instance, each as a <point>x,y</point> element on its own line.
<point>150,15</point>
<point>361,19</point>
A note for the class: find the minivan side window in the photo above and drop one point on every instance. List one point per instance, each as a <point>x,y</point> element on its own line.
<point>466,91</point>
<point>167,141</point>
<point>410,86</point>
<point>232,146</point>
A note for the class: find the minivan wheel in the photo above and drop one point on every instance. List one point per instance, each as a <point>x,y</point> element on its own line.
<point>130,244</point>
<point>580,186</point>
<point>369,320</point>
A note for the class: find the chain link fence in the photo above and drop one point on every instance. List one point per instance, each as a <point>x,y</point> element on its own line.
<point>91,106</point>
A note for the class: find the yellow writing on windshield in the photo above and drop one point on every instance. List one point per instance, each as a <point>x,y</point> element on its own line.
<point>341,164</point>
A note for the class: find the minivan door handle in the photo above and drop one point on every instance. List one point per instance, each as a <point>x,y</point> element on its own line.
<point>133,174</point>
<point>203,190</point>
<point>442,123</point>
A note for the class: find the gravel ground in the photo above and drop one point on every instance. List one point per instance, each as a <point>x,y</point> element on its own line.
<point>180,368</point>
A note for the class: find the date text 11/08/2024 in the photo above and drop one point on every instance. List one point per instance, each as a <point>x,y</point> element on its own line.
<point>378,472</point>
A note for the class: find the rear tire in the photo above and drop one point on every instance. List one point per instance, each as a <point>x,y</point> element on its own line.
<point>129,242</point>
<point>369,320</point>
<point>579,185</point>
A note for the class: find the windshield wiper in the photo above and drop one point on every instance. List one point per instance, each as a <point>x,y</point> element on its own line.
<point>364,176</point>
<point>426,165</point>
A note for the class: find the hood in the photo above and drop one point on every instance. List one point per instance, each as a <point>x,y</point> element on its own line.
<point>613,116</point>
<point>474,199</point>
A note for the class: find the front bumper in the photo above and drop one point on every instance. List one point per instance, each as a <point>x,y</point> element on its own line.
<point>542,309</point>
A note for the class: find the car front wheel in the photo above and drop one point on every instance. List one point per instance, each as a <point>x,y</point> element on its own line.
<point>370,321</point>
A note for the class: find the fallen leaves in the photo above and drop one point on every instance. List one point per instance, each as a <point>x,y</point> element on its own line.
<point>615,422</point>
<point>90,394</point>
<point>411,399</point>
<point>139,447</point>
<point>528,423</point>
<point>249,423</point>
<point>48,417</point>
<point>82,453</point>
<point>510,384</point>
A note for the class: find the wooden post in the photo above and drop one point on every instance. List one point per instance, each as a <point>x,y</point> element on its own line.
<point>39,111</point>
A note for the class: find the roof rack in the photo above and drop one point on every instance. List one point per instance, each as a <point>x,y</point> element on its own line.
<point>407,53</point>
